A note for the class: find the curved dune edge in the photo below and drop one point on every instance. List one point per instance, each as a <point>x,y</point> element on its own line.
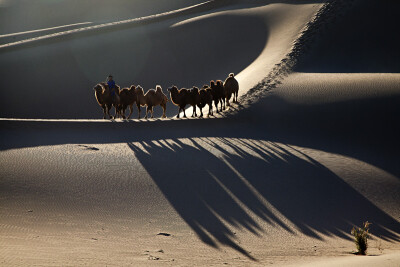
<point>43,30</point>
<point>94,195</point>
<point>146,19</point>
<point>283,21</point>
<point>289,27</point>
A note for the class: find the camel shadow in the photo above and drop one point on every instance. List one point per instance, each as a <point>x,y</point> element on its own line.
<point>220,184</point>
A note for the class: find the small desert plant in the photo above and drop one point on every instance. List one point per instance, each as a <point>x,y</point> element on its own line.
<point>361,235</point>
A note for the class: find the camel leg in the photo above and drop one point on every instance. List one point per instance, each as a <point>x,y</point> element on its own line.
<point>201,112</point>
<point>194,111</point>
<point>130,111</point>
<point>164,107</point>
<point>179,111</point>
<point>184,113</point>
<point>147,111</point>
<point>116,112</point>
<point>216,105</point>
<point>151,110</point>
<point>123,112</point>
<point>104,111</point>
<point>108,111</point>
<point>138,109</point>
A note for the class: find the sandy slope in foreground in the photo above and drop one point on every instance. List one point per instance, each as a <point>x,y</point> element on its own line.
<point>281,182</point>
<point>254,189</point>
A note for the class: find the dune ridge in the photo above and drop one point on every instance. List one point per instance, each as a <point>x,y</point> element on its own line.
<point>146,19</point>
<point>280,180</point>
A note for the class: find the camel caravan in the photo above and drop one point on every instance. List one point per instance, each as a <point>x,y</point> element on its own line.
<point>109,95</point>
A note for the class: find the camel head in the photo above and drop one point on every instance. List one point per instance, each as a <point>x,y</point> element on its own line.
<point>195,89</point>
<point>173,89</point>
<point>98,88</point>
<point>117,89</point>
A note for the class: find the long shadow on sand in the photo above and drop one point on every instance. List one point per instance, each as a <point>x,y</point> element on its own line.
<point>230,172</point>
<point>220,184</point>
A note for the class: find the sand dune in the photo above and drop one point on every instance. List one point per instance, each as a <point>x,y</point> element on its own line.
<point>279,180</point>
<point>72,11</point>
<point>64,69</point>
<point>362,40</point>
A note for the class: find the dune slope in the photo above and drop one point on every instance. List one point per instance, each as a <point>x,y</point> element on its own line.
<point>56,76</point>
<point>281,182</point>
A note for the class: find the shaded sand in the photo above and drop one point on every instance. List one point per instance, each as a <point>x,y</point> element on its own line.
<point>73,11</point>
<point>66,69</point>
<point>360,40</point>
<point>237,190</point>
<point>279,181</point>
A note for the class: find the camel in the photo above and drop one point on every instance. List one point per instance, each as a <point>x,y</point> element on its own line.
<point>218,93</point>
<point>205,99</point>
<point>103,97</point>
<point>116,101</point>
<point>128,98</point>
<point>179,98</point>
<point>151,99</point>
<point>194,99</point>
<point>231,86</point>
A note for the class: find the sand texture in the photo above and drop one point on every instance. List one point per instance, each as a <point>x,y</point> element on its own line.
<point>310,151</point>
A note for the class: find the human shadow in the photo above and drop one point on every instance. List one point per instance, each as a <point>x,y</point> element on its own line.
<point>220,184</point>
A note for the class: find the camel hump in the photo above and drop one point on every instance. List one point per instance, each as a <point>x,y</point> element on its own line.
<point>183,91</point>
<point>158,88</point>
<point>139,89</point>
<point>151,92</point>
<point>231,74</point>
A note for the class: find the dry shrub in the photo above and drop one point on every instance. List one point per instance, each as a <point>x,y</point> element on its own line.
<point>361,235</point>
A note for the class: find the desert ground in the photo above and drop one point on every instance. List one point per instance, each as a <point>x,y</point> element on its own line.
<point>281,178</point>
